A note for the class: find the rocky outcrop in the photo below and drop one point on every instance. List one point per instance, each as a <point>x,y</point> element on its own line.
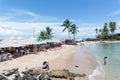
<point>33,74</point>
<point>65,74</point>
<point>9,72</point>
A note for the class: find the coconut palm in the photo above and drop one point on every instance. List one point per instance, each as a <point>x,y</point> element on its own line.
<point>42,35</point>
<point>112,26</point>
<point>46,34</point>
<point>96,30</point>
<point>100,30</point>
<point>67,24</point>
<point>49,33</point>
<point>105,32</point>
<point>99,34</point>
<point>74,30</point>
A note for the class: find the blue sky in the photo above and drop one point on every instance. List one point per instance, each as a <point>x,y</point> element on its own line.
<point>18,17</point>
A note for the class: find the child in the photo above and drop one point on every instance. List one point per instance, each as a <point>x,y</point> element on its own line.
<point>105,60</point>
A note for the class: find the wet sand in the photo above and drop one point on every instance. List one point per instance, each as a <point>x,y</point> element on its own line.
<point>80,61</point>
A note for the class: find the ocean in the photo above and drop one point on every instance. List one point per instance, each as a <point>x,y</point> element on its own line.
<point>110,71</point>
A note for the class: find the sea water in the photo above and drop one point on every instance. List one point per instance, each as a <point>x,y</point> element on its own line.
<point>110,71</point>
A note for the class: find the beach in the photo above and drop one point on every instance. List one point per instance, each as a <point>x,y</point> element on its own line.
<point>58,58</point>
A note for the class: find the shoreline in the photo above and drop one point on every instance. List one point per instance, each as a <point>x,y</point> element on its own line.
<point>106,41</point>
<point>60,58</point>
<point>86,62</point>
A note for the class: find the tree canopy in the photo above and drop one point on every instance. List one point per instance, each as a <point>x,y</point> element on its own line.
<point>107,32</point>
<point>71,28</point>
<point>46,34</point>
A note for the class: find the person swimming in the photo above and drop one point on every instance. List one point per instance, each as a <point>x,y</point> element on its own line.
<point>105,60</point>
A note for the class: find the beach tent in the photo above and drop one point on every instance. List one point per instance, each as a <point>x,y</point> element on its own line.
<point>31,42</point>
<point>9,43</point>
<point>39,39</point>
<point>20,42</point>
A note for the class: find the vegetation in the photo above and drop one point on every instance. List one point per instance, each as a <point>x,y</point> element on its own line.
<point>108,32</point>
<point>117,36</point>
<point>74,30</point>
<point>104,33</point>
<point>42,34</point>
<point>67,24</point>
<point>46,34</point>
<point>112,26</point>
<point>90,39</point>
<point>71,28</point>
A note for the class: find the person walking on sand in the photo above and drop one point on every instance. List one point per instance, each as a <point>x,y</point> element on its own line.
<point>105,60</point>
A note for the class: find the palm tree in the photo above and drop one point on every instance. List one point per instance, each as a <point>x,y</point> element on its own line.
<point>99,35</point>
<point>96,30</point>
<point>105,32</point>
<point>49,33</point>
<point>112,26</point>
<point>74,30</point>
<point>46,34</point>
<point>100,30</point>
<point>66,24</point>
<point>42,35</point>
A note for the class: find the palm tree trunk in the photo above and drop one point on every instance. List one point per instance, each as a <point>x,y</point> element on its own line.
<point>69,34</point>
<point>74,37</point>
<point>113,36</point>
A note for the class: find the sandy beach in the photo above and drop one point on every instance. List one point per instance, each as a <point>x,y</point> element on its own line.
<point>59,58</point>
<point>85,61</point>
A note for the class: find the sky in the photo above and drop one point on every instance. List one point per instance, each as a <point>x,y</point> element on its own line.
<point>19,17</point>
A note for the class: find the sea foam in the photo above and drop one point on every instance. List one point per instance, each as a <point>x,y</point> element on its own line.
<point>98,71</point>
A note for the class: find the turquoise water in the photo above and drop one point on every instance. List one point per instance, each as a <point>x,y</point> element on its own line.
<point>110,71</point>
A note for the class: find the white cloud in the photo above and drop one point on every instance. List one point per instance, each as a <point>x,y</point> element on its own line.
<point>12,32</point>
<point>24,12</point>
<point>10,27</point>
<point>114,13</point>
<point>87,31</point>
<point>20,28</point>
<point>26,28</point>
<point>4,18</point>
<point>22,15</point>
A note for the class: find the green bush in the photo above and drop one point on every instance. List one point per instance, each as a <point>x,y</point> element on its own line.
<point>117,38</point>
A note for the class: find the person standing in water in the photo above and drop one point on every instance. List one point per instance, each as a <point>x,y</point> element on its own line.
<point>105,60</point>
